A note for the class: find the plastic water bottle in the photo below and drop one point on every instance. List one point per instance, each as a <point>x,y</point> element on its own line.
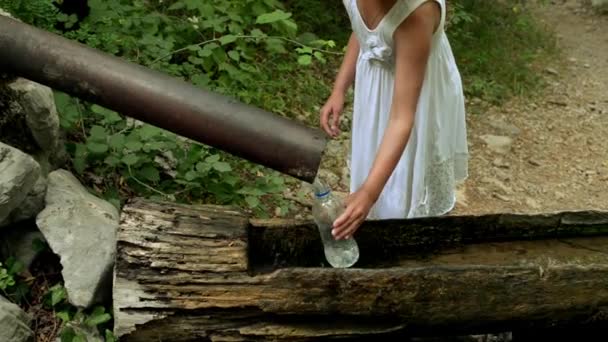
<point>326,209</point>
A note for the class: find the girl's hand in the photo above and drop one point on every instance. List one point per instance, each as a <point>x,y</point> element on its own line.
<point>358,206</point>
<point>330,114</point>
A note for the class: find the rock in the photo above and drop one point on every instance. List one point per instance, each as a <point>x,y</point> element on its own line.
<point>530,202</point>
<point>18,175</point>
<point>81,229</point>
<point>38,105</point>
<point>497,143</point>
<point>14,323</point>
<point>497,184</point>
<point>32,204</point>
<point>499,162</point>
<point>18,241</point>
<point>505,128</point>
<point>551,71</point>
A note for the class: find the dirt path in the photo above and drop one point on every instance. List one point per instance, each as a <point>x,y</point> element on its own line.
<point>552,153</point>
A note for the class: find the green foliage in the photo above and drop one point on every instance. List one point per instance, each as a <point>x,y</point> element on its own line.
<point>41,13</point>
<point>76,323</point>
<point>11,284</point>
<point>497,45</point>
<point>246,49</point>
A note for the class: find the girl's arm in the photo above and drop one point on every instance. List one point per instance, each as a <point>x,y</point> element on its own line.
<point>412,48</point>
<point>346,74</point>
<point>344,79</point>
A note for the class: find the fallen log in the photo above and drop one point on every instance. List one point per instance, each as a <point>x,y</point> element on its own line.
<point>192,273</point>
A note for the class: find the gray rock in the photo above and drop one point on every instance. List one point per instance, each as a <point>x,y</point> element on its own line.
<point>32,204</point>
<point>38,105</point>
<point>81,229</point>
<point>18,241</point>
<point>14,323</point>
<point>18,175</point>
<point>505,128</point>
<point>497,143</point>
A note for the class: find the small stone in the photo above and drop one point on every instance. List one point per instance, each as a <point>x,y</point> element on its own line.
<point>551,71</point>
<point>499,162</point>
<point>532,203</point>
<point>497,184</point>
<point>502,197</point>
<point>534,162</point>
<point>505,128</point>
<point>498,144</point>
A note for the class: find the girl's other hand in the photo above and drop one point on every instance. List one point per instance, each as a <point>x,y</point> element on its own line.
<point>330,114</point>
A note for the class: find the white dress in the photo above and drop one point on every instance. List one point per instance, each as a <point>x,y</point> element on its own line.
<point>436,155</point>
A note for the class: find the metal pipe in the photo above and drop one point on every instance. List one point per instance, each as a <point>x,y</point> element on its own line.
<point>160,100</point>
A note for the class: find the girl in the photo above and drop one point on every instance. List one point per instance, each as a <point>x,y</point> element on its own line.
<point>409,142</point>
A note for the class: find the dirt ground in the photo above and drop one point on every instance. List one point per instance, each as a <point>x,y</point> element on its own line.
<point>552,154</point>
<point>542,153</point>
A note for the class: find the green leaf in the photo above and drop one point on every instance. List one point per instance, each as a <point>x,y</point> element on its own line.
<point>177,5</point>
<point>58,294</point>
<point>130,159</point>
<point>64,316</point>
<point>110,336</point>
<point>212,159</point>
<point>234,55</point>
<point>112,161</point>
<point>97,317</point>
<point>272,17</point>
<point>150,173</point>
<point>203,167</point>
<point>258,33</point>
<point>98,133</point>
<point>117,141</point>
<point>79,338</point>
<point>190,176</point>
<point>68,334</point>
<point>252,201</point>
<point>147,132</point>
<point>305,60</point>
<point>134,145</point>
<point>227,39</point>
<point>95,147</point>
<point>222,167</point>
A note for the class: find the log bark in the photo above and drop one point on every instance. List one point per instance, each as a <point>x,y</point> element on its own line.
<point>193,273</point>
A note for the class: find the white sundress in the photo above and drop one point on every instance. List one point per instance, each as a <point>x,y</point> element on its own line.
<point>436,155</point>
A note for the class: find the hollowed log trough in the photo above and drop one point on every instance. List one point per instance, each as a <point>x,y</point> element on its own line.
<point>209,273</point>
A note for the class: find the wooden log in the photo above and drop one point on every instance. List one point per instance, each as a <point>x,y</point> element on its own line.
<point>205,273</point>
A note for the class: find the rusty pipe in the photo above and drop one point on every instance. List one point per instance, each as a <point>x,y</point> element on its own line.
<point>160,100</point>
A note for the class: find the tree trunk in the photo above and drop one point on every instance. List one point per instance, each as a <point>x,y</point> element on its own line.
<point>206,273</point>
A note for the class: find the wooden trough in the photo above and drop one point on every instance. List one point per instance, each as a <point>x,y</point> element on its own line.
<point>208,273</point>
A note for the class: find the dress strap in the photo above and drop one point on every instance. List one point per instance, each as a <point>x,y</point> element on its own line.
<point>403,8</point>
